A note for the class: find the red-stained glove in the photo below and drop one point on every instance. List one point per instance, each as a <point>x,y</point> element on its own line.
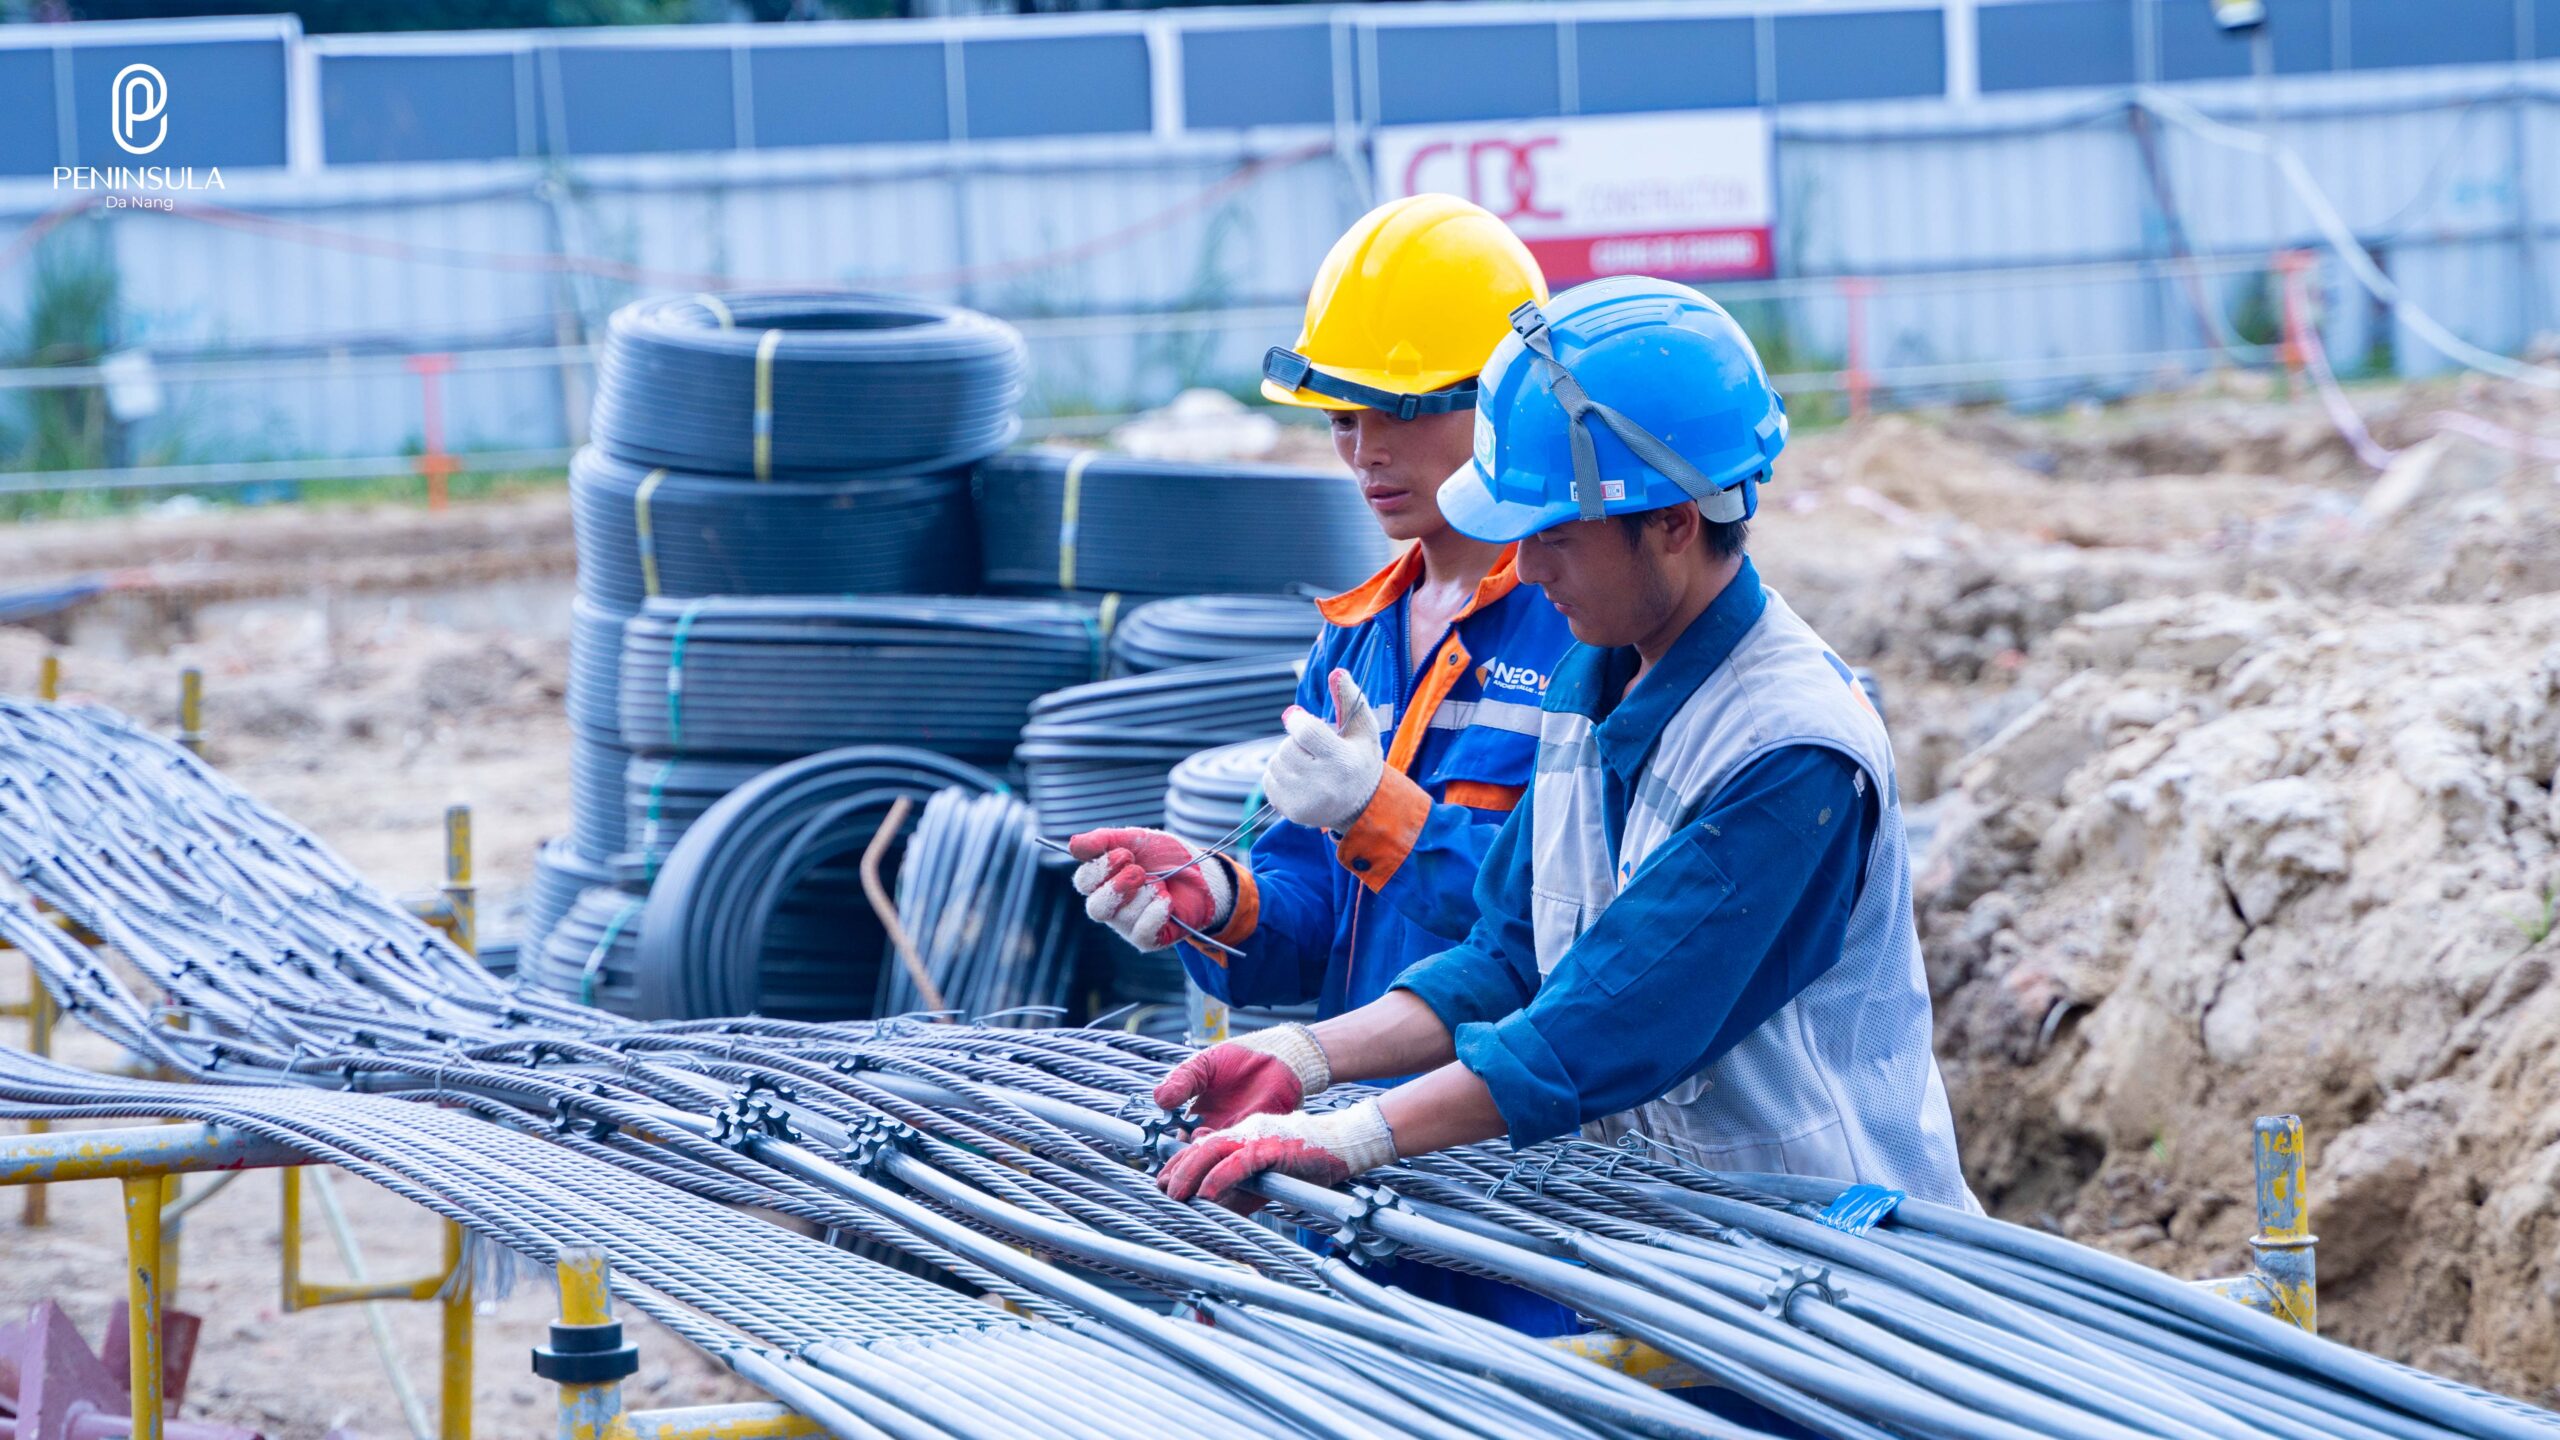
<point>1121,888</point>
<point>1269,1072</point>
<point>1326,1149</point>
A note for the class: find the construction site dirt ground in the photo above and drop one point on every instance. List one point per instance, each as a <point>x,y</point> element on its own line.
<point>2229,761</point>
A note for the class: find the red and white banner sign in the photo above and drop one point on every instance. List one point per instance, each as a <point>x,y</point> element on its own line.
<point>1681,196</point>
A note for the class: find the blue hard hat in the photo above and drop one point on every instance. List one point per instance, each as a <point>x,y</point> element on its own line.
<point>1616,397</point>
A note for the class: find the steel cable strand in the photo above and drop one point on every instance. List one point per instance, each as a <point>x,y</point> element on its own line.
<point>1072,1162</point>
<point>1237,1325</point>
<point>1448,1410</point>
<point>1309,1412</point>
<point>1771,1369</point>
<point>2097,1318</point>
<point>1062,1398</point>
<point>1035,1183</point>
<point>495,1224</point>
<point>1961,1293</point>
<point>595,1106</point>
<point>782,1194</point>
<point>1536,1374</point>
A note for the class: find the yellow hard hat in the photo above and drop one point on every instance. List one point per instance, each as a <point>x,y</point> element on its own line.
<point>1410,301</point>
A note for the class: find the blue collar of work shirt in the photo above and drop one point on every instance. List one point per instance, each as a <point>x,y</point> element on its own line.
<point>1628,720</point>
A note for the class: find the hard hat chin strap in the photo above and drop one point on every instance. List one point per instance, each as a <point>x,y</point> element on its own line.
<point>1715,502</point>
<point>1292,371</point>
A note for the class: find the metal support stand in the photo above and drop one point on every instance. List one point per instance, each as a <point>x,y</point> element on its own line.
<point>142,1199</point>
<point>2282,1280</point>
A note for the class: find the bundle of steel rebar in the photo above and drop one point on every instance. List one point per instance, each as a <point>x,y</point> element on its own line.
<point>1014,1163</point>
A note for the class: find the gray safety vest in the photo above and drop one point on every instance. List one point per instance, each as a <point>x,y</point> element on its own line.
<point>1840,1082</point>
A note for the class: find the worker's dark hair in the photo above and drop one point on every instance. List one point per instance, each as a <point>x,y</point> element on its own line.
<point>1723,539</point>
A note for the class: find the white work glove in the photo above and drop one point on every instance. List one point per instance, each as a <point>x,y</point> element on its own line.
<point>1327,1149</point>
<point>1325,775</point>
<point>1122,889</point>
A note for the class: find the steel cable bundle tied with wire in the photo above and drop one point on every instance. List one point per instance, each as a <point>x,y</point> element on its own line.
<point>1198,629</point>
<point>325,1023</point>
<point>789,384</point>
<point>785,677</point>
<point>1099,755</point>
<point>994,929</point>
<point>644,532</point>
<point>703,933</point>
<point>1068,520</point>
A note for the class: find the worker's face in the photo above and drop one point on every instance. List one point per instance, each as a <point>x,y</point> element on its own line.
<point>1610,587</point>
<point>1400,464</point>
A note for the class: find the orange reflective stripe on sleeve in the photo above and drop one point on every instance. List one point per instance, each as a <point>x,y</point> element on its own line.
<point>1434,687</point>
<point>1482,795</point>
<point>1375,846</point>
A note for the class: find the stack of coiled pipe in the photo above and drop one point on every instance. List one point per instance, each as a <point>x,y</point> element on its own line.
<point>1052,520</point>
<point>770,443</point>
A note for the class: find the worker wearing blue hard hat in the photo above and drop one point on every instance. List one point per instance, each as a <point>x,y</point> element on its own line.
<point>1696,927</point>
<point>1416,722</point>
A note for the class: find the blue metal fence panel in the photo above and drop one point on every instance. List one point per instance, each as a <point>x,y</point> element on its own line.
<point>1432,73</point>
<point>29,142</point>
<point>1686,64</point>
<point>2044,44</point>
<point>1057,85</point>
<point>639,99</point>
<point>2194,47</point>
<point>2546,29</point>
<point>1879,55</point>
<point>2386,34</point>
<point>382,108</point>
<point>1248,75</point>
<point>226,103</point>
<point>849,94</point>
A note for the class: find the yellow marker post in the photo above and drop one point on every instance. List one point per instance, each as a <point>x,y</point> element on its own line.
<point>453,1405</point>
<point>461,898</point>
<point>40,1001</point>
<point>587,1357</point>
<point>2284,1242</point>
<point>39,1042</point>
<point>191,711</point>
<point>143,1297</point>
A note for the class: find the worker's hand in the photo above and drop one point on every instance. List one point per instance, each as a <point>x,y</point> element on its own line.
<point>1269,1072</point>
<point>1125,886</point>
<point>1326,1149</point>
<point>1324,775</point>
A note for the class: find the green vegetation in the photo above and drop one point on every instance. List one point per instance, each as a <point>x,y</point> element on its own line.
<point>70,320</point>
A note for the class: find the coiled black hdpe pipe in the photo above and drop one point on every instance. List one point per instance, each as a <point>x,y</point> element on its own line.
<point>1198,629</point>
<point>871,384</point>
<point>703,932</point>
<point>1153,527</point>
<point>560,875</point>
<point>1100,754</point>
<point>782,678</point>
<point>644,532</point>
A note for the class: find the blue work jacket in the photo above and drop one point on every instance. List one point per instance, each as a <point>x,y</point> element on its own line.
<point>1336,919</point>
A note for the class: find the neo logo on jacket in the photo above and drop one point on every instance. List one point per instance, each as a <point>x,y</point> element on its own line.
<point>1494,673</point>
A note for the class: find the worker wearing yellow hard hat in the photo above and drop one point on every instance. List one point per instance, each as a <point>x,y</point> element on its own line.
<point>1416,724</point>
